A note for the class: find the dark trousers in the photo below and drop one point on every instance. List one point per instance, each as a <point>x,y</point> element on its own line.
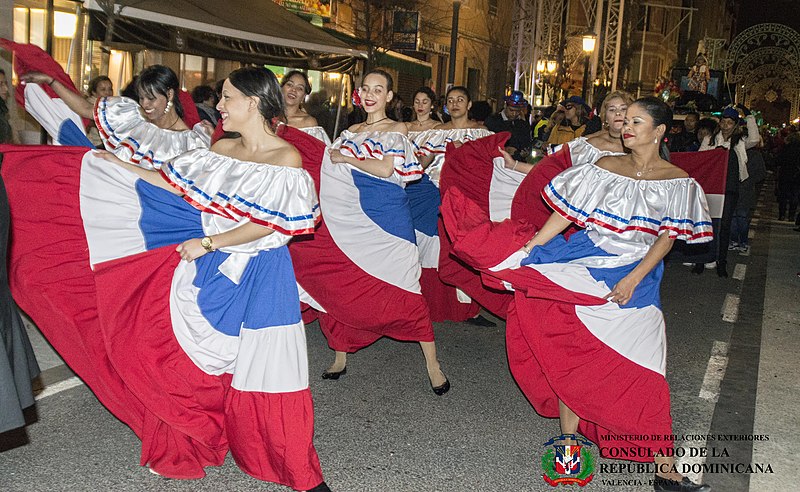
<point>731,200</point>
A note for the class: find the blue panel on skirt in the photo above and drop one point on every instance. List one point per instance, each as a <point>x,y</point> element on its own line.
<point>70,134</point>
<point>166,217</point>
<point>425,200</point>
<point>579,245</point>
<point>265,296</point>
<point>386,204</point>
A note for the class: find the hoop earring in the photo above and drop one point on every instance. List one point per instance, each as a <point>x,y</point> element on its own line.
<point>169,106</point>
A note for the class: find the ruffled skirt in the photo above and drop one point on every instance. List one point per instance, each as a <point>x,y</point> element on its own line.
<point>195,363</point>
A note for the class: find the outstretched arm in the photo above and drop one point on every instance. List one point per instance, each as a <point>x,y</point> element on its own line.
<point>75,102</point>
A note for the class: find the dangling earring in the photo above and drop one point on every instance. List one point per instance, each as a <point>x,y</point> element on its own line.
<point>169,106</point>
<point>655,141</point>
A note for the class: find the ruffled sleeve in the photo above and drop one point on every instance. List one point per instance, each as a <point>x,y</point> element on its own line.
<point>278,197</point>
<point>635,210</point>
<point>435,141</point>
<point>132,138</point>
<point>686,216</point>
<point>380,145</point>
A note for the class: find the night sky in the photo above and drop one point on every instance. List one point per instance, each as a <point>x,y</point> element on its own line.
<point>777,11</point>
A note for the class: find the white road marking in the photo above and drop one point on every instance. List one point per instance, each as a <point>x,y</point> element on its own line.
<point>739,271</point>
<point>751,234</point>
<point>715,372</point>
<point>730,308</point>
<point>59,387</point>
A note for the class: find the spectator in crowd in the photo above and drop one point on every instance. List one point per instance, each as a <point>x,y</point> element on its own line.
<point>480,111</point>
<point>538,125</point>
<point>729,135</point>
<point>6,134</point>
<point>788,185</point>
<point>512,119</point>
<point>206,100</point>
<point>705,128</point>
<point>686,140</point>
<point>100,86</point>
<point>568,121</point>
<point>740,224</point>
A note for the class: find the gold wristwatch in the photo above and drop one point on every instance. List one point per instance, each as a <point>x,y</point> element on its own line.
<point>207,244</point>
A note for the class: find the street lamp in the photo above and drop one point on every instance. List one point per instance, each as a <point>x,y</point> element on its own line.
<point>589,41</point>
<point>546,66</point>
<point>451,69</point>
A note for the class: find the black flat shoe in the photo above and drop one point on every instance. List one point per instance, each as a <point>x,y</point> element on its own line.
<point>440,390</point>
<point>698,268</point>
<point>334,375</point>
<point>661,484</point>
<point>480,321</point>
<point>722,270</point>
<point>323,487</point>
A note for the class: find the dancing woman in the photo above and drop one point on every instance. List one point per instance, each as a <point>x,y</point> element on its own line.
<point>145,134</point>
<point>211,367</point>
<point>377,280</point>
<point>295,87</point>
<point>599,289</point>
<point>424,115</point>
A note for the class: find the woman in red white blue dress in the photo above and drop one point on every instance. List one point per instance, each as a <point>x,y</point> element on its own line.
<point>598,361</point>
<point>197,298</point>
<point>146,133</point>
<point>367,287</point>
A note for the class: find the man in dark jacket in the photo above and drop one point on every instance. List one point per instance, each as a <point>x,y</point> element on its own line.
<point>512,119</point>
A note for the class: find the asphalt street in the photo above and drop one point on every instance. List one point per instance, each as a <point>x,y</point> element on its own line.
<point>381,428</point>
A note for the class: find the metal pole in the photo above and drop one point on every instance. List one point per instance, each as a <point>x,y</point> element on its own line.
<point>641,55</point>
<point>451,70</point>
<point>521,24</point>
<point>615,69</point>
<point>585,76</point>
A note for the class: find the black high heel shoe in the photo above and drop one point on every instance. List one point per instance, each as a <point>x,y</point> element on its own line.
<point>334,375</point>
<point>444,388</point>
<point>322,487</point>
<point>661,484</point>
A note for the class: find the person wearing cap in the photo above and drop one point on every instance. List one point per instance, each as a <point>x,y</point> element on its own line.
<point>512,119</point>
<point>573,122</point>
<point>729,135</point>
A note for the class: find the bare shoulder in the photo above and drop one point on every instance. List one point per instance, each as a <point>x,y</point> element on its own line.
<point>667,170</point>
<point>224,145</point>
<point>309,121</point>
<point>610,163</point>
<point>355,128</point>
<point>399,127</point>
<point>478,126</point>
<point>287,155</point>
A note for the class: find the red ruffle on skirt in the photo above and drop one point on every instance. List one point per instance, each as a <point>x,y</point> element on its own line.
<point>360,309</point>
<point>469,169</point>
<point>192,417</point>
<point>443,300</point>
<point>552,354</point>
<point>49,272</point>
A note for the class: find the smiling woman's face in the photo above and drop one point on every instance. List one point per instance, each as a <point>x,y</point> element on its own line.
<point>374,93</point>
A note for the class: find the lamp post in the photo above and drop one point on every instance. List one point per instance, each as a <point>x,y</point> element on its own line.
<point>546,66</point>
<point>451,69</point>
<point>589,41</point>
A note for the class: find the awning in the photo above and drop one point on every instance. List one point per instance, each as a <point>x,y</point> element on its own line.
<point>388,58</point>
<point>404,64</point>
<point>247,31</point>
